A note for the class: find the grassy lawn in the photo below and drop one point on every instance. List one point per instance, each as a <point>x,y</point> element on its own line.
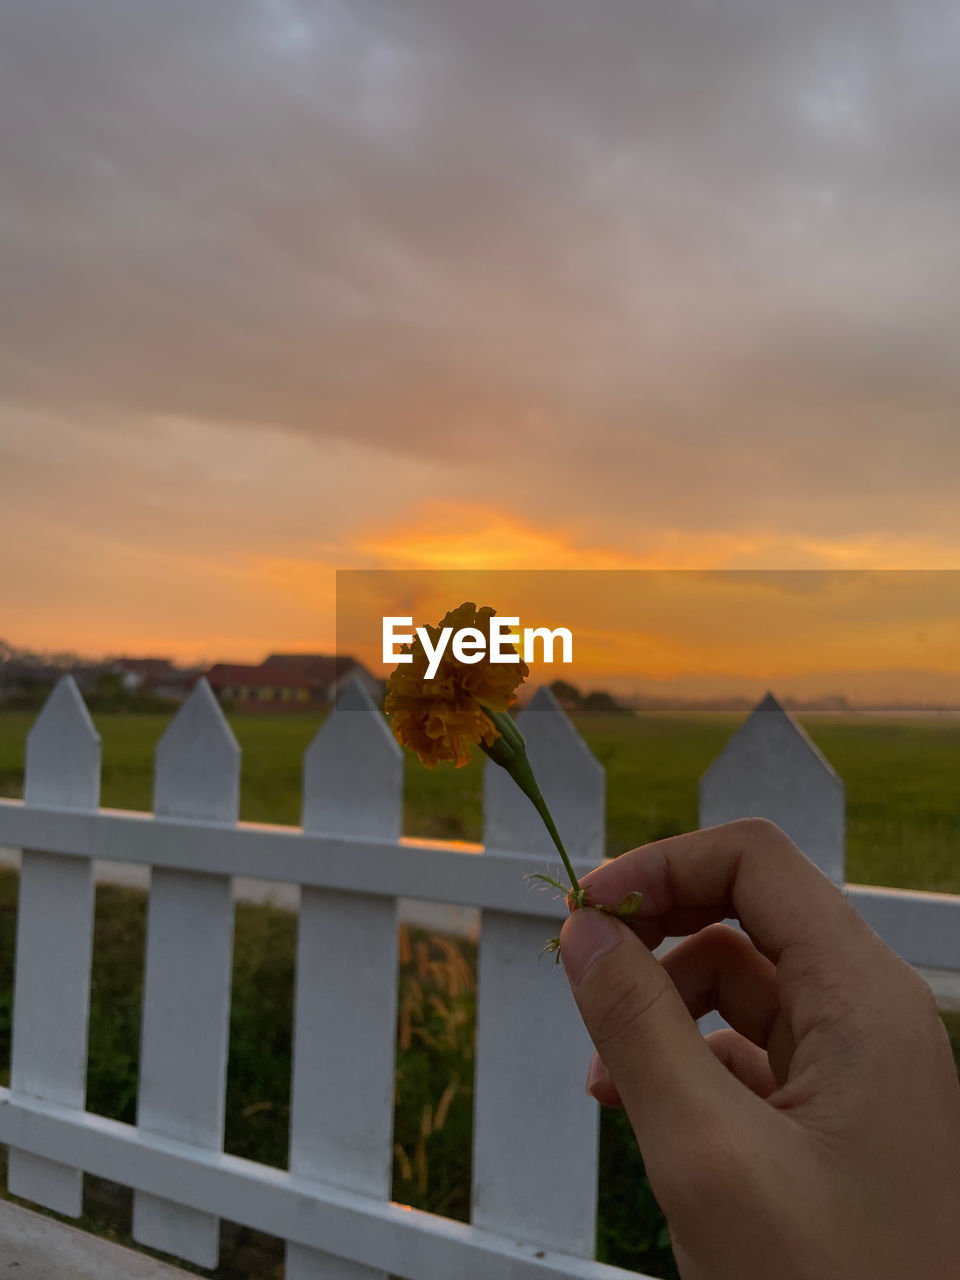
<point>902,780</point>
<point>904,810</point>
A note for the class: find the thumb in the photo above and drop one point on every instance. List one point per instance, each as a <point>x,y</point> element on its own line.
<point>667,1078</point>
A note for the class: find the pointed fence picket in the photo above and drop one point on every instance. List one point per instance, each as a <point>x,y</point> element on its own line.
<point>770,768</point>
<point>189,957</point>
<point>535,1132</point>
<point>54,944</point>
<point>530,1108</point>
<point>341,1111</point>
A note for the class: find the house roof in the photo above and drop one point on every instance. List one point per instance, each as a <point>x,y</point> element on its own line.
<point>231,673</point>
<point>318,668</point>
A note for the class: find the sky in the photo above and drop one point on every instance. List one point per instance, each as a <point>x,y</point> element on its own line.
<point>876,636</point>
<point>416,284</point>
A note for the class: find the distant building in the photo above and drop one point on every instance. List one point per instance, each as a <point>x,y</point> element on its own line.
<point>282,682</point>
<point>266,686</point>
<point>328,672</point>
<point>288,681</point>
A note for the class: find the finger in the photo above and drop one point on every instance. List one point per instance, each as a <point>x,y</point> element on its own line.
<point>752,871</point>
<point>745,1061</point>
<point>600,1086</point>
<point>748,869</point>
<point>668,1079</point>
<point>720,968</point>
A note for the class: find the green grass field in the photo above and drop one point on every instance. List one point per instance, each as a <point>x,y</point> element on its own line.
<point>903,787</point>
<point>902,780</point>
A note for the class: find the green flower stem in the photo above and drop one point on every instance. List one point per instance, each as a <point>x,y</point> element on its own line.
<point>541,807</point>
<point>509,751</point>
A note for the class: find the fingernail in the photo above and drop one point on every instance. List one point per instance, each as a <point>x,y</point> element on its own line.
<point>596,1075</point>
<point>587,935</point>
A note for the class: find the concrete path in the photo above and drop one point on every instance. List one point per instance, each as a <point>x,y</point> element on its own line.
<point>34,1247</point>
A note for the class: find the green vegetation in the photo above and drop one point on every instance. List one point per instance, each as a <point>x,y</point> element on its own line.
<point>903,787</point>
<point>902,780</point>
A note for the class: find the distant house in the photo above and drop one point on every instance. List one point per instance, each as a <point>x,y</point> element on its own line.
<point>282,682</point>
<point>328,672</point>
<point>266,686</point>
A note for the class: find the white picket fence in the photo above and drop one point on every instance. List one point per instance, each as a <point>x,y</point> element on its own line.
<point>535,1133</point>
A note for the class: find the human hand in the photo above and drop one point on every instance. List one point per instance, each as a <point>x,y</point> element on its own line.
<point>819,1137</point>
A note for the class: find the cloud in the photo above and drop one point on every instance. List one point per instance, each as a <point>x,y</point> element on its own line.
<point>447,534</point>
<point>652,280</point>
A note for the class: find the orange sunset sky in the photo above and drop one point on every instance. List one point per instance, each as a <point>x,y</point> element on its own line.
<point>291,288</point>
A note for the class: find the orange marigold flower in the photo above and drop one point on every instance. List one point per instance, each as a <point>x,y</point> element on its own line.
<point>443,718</point>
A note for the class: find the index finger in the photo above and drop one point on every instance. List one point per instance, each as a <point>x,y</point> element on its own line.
<point>748,869</point>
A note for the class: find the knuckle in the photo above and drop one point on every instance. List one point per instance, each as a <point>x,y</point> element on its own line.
<point>758,837</point>
<point>918,1013</point>
<point>759,829</point>
<point>725,943</point>
<point>927,1006</point>
<point>757,834</point>
<point>723,1044</point>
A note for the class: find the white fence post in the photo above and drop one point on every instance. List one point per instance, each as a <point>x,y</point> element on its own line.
<point>345,1019</point>
<point>51,1009</point>
<point>535,1130</point>
<point>771,769</point>
<point>186,991</point>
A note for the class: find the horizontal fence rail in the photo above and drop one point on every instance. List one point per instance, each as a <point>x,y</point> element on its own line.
<point>438,871</point>
<point>924,928</point>
<point>407,1242</point>
<point>352,864</point>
